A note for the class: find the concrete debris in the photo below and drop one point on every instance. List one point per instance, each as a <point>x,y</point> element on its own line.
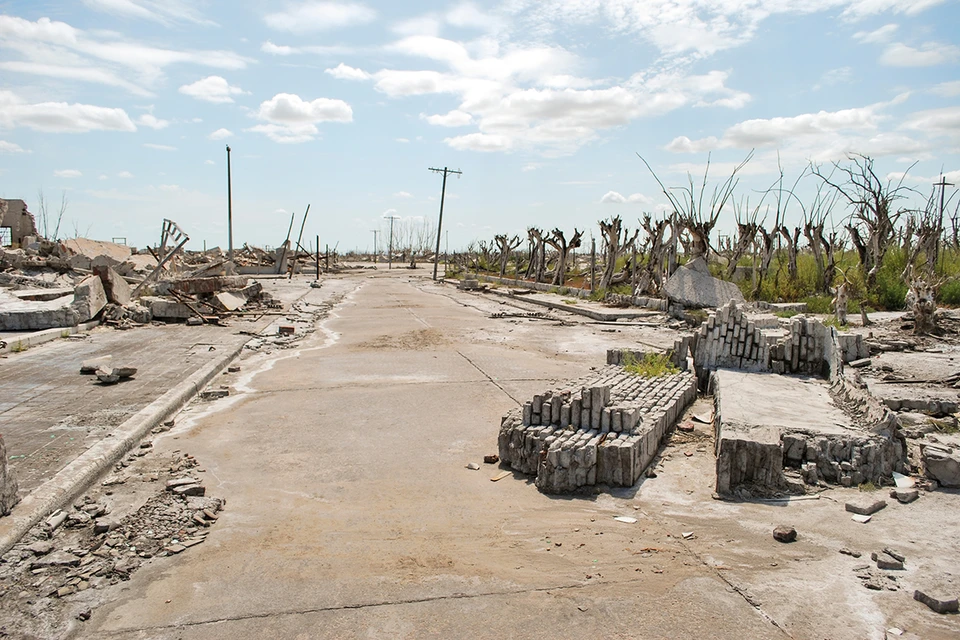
<point>473,466</point>
<point>784,533</point>
<point>865,508</point>
<point>861,519</point>
<point>117,290</point>
<point>905,496</point>
<point>886,561</point>
<point>603,429</point>
<point>115,375</point>
<point>948,605</point>
<point>90,367</point>
<point>941,463</point>
<point>691,285</point>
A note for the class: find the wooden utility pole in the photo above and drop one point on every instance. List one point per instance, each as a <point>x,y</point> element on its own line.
<point>376,257</point>
<point>943,184</point>
<point>443,193</point>
<point>229,210</point>
<point>593,264</point>
<point>299,238</point>
<point>390,249</point>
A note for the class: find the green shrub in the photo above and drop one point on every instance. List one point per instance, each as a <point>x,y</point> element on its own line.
<point>949,293</point>
<point>652,365</point>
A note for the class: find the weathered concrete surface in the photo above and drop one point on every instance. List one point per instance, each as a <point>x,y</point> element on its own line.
<point>692,286</point>
<point>117,290</point>
<point>85,253</point>
<point>89,298</point>
<point>23,315</point>
<point>765,422</point>
<point>355,517</point>
<point>941,462</point>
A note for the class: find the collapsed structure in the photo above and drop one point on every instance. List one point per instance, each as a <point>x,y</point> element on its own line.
<point>787,413</point>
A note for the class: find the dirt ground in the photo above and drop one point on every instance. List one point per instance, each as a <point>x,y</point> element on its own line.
<point>349,511</point>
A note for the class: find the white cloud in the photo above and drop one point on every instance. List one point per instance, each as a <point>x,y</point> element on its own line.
<point>947,89</point>
<point>454,118</point>
<point>311,16</point>
<point>928,55</point>
<point>211,162</point>
<point>166,12</point>
<point>148,120</point>
<point>840,75</point>
<point>211,89</point>
<point>883,34</point>
<point>344,72</point>
<point>60,117</point>
<point>290,119</point>
<point>428,25</point>
<point>67,173</point>
<point>402,140</point>
<point>466,15</point>
<point>159,147</point>
<point>56,49</point>
<point>10,147</point>
<point>858,9</point>
<point>613,197</point>
<point>169,187</point>
<point>946,120</point>
<point>480,142</point>
<point>220,134</point>
<point>125,174</point>
<point>402,194</point>
<point>276,49</point>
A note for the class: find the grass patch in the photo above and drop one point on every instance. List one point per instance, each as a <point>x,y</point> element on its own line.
<point>868,486</point>
<point>831,321</point>
<point>651,365</point>
<point>569,301</point>
<point>786,314</point>
<point>18,347</point>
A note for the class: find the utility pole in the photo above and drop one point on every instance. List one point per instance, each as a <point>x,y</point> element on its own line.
<point>390,250</point>
<point>943,184</point>
<point>229,210</point>
<point>376,256</point>
<point>443,193</point>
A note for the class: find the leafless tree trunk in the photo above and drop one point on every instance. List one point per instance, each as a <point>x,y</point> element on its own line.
<point>505,247</point>
<point>614,243</point>
<point>792,240</point>
<point>558,241</point>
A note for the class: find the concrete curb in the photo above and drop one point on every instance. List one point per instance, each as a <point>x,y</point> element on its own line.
<point>74,479</point>
<point>600,316</point>
<point>46,335</point>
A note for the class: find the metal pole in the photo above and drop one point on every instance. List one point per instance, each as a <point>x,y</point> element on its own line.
<point>376,256</point>
<point>390,251</point>
<point>593,265</point>
<point>299,238</point>
<point>229,210</point>
<point>318,257</point>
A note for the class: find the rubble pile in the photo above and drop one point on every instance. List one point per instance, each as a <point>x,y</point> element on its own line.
<point>86,547</point>
<point>603,429</point>
<point>46,284</point>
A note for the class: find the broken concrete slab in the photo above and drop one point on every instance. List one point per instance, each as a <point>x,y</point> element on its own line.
<point>21,315</point>
<point>194,286</point>
<point>229,300</point>
<point>83,252</point>
<point>940,605</point>
<point>865,508</point>
<point>89,367</point>
<point>117,289</point>
<point>163,309</point>
<point>89,298</point>
<point>692,286</point>
<point>941,463</point>
<point>42,295</point>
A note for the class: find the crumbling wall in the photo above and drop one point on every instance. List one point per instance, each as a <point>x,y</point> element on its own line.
<point>729,339</point>
<point>14,214</point>
<point>604,429</point>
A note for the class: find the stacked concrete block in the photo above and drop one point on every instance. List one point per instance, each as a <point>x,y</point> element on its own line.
<point>804,349</point>
<point>604,429</point>
<point>730,339</point>
<point>8,484</point>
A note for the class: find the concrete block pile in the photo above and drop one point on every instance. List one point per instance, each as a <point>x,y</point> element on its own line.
<point>803,349</point>
<point>729,339</point>
<point>604,429</point>
<point>8,484</point>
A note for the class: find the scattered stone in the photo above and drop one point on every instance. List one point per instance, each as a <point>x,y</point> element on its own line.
<point>493,459</point>
<point>784,533</point>
<point>126,565</point>
<point>56,559</point>
<point>866,509</point>
<point>286,330</point>
<point>105,525</point>
<point>56,519</point>
<point>850,552</point>
<point>174,548</point>
<point>40,547</point>
<point>938,605</point>
<point>214,394</point>
<point>686,427</point>
<point>194,321</point>
<point>941,463</point>
<point>861,519</point>
<point>179,482</point>
<point>886,562</point>
<point>893,553</point>
<point>473,466</point>
<point>233,368</point>
<point>904,496</point>
<point>84,615</point>
<point>860,364</point>
<point>190,490</point>
<point>89,367</point>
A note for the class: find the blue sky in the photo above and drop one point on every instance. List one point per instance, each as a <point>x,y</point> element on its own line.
<point>127,105</point>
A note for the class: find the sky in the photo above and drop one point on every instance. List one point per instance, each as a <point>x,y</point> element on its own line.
<point>125,108</point>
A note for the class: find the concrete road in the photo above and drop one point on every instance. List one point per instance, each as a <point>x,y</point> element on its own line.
<point>350,512</point>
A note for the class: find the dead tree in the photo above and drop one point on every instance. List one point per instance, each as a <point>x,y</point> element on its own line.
<point>746,236</point>
<point>538,257</point>
<point>872,223</point>
<point>792,241</point>
<point>652,277</point>
<point>505,246</point>
<point>558,241</point>
<point>768,239</point>
<point>922,301</point>
<point>615,242</point>
<point>696,217</point>
<point>814,226</point>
